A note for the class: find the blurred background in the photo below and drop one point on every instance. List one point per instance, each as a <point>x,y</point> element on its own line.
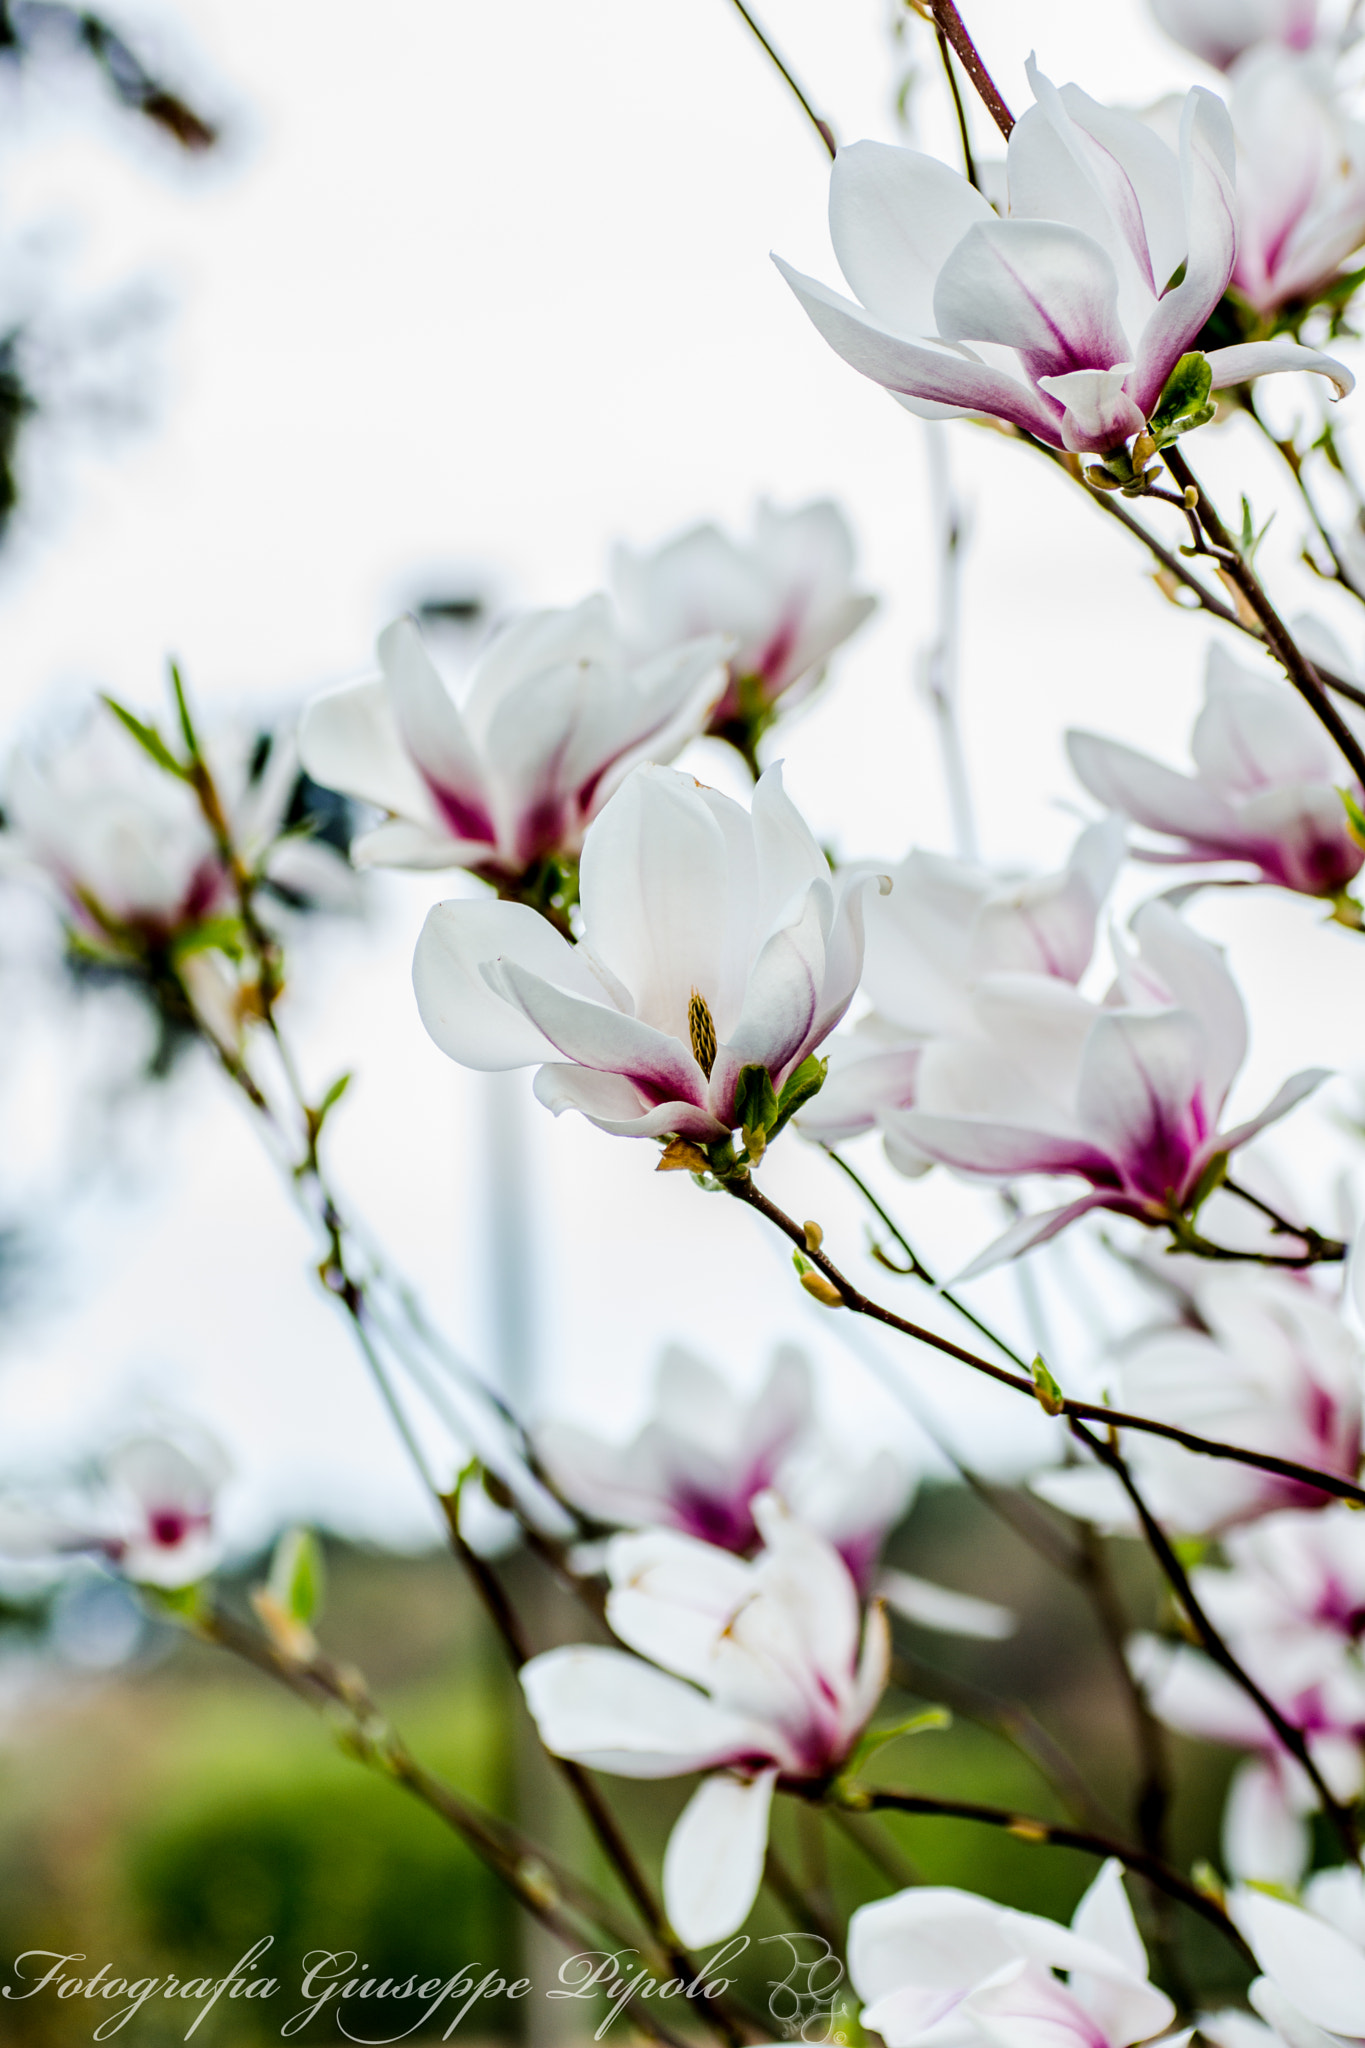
<point>321,312</point>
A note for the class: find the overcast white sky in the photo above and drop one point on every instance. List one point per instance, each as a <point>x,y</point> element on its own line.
<point>477,289</point>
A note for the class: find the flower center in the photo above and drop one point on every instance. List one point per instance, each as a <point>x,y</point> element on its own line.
<point>702,1027</point>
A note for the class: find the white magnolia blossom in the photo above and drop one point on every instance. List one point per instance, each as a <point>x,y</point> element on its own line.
<point>1312,1958</point>
<point>149,1512</point>
<point>757,1672</point>
<point>1300,177</point>
<point>714,939</point>
<point>785,600</point>
<point>945,929</point>
<point>1127,1094</point>
<point>1290,1604</point>
<point>1270,1366</point>
<point>1220,30</point>
<point>555,713</point>
<point>1064,316</point>
<point>941,1968</point>
<point>1265,792</point>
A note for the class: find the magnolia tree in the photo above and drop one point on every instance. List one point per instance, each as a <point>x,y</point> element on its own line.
<point>694,974</point>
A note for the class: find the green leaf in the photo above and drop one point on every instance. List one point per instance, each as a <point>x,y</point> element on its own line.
<point>1213,1176</point>
<point>755,1109</point>
<point>1050,1396</point>
<point>177,1603</point>
<point>191,738</point>
<point>212,935</point>
<point>297,1576</point>
<point>874,1739</point>
<point>1184,401</point>
<point>797,1089</point>
<point>332,1097</point>
<point>1355,816</point>
<point>147,737</point>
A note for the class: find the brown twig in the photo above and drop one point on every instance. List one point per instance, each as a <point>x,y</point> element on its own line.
<point>950,24</point>
<point>822,128</point>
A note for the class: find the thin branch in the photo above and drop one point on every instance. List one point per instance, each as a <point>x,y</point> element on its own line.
<point>950,24</point>
<point>822,128</point>
<point>964,133</point>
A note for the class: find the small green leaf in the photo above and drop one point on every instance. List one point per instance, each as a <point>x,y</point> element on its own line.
<point>755,1101</point>
<point>333,1096</point>
<point>147,737</point>
<point>1213,1176</point>
<point>874,1739</point>
<point>177,1603</point>
<point>1355,816</point>
<point>212,935</point>
<point>191,738</point>
<point>1184,401</point>
<point>1050,1396</point>
<point>797,1090</point>
<point>297,1576</point>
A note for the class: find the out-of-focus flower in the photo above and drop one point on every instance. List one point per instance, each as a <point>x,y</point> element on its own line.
<point>945,929</point>
<point>1273,1368</point>
<point>1300,179</point>
<point>768,1672</point>
<point>1312,1990</point>
<point>555,714</point>
<point>785,600</point>
<point>1065,317</point>
<point>939,1965</point>
<point>1265,788</point>
<point>1220,30</point>
<point>1127,1094</point>
<point>715,942</point>
<point>149,1513</point>
<point>1290,1605</point>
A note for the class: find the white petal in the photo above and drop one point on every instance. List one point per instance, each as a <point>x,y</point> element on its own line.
<point>713,1865</point>
<point>1248,359</point>
<point>617,1713</point>
<point>936,1607</point>
<point>895,217</point>
<point>434,733</point>
<point>349,740</point>
<point>1264,1839</point>
<point>1315,1966</point>
<point>466,1018</point>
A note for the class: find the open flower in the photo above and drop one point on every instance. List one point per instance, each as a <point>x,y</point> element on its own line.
<point>1220,30</point>
<point>1273,1367</point>
<point>785,600</point>
<point>936,1965</point>
<point>149,1513</point>
<point>1067,316</point>
<point>768,1672</point>
<point>554,715</point>
<point>1312,1990</point>
<point>1300,178</point>
<point>947,926</point>
<point>1127,1094</point>
<point>716,944</point>
<point>1265,790</point>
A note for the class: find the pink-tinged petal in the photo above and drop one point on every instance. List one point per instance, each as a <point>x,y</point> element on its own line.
<point>1263,1838</point>
<point>1294,1091</point>
<point>1030,2009</point>
<point>874,1661</point>
<point>932,1936</point>
<point>1151,795</point>
<point>1099,413</point>
<point>434,733</point>
<point>895,217</point>
<point>1139,1097</point>
<point>1252,734</point>
<point>1126,2007</point>
<point>609,1101</point>
<point>1044,926</point>
<point>349,740</point>
<point>713,1864</point>
<point>857,1091</point>
<point>1192,1695</point>
<point>1138,173</point>
<point>1206,175</point>
<point>938,374</point>
<point>1030,1231</point>
<point>1002,1150</point>
<point>1314,1965</point>
<point>1036,286</point>
<point>1306,846</point>
<point>466,1018</point>
<point>1250,359</point>
<point>400,844</point>
<point>614,1712</point>
<point>780,1002</point>
<point>936,1607</point>
<point>594,1034</point>
<point>1194,973</point>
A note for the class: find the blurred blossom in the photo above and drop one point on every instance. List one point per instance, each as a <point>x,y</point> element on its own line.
<point>785,600</point>
<point>939,1965</point>
<point>1312,1958</point>
<point>1220,30</point>
<point>555,714</point>
<point>148,1511</point>
<point>768,1671</point>
<point>1290,1604</point>
<point>715,940</point>
<point>1127,1094</point>
<point>1300,178</point>
<point>1266,787</point>
<point>1063,317</point>
<point>1273,1368</point>
<point>946,927</point>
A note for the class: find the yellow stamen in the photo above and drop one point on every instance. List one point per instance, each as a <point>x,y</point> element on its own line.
<point>701,1025</point>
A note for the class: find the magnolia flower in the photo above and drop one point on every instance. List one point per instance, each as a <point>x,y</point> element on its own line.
<point>714,941</point>
<point>149,1513</point>
<point>1290,1604</point>
<point>1220,30</point>
<point>936,1965</point>
<point>1312,1990</point>
<point>1273,1368</point>
<point>785,600</point>
<point>1067,316</point>
<point>1300,178</point>
<point>705,1454</point>
<point>768,1672</point>
<point>947,926</point>
<point>554,716</point>
<point>1265,790</point>
<point>1127,1094</point>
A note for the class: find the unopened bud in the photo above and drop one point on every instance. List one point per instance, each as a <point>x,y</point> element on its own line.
<point>815,1236</point>
<point>1144,448</point>
<point>1102,480</point>
<point>823,1290</point>
<point>1191,498</point>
